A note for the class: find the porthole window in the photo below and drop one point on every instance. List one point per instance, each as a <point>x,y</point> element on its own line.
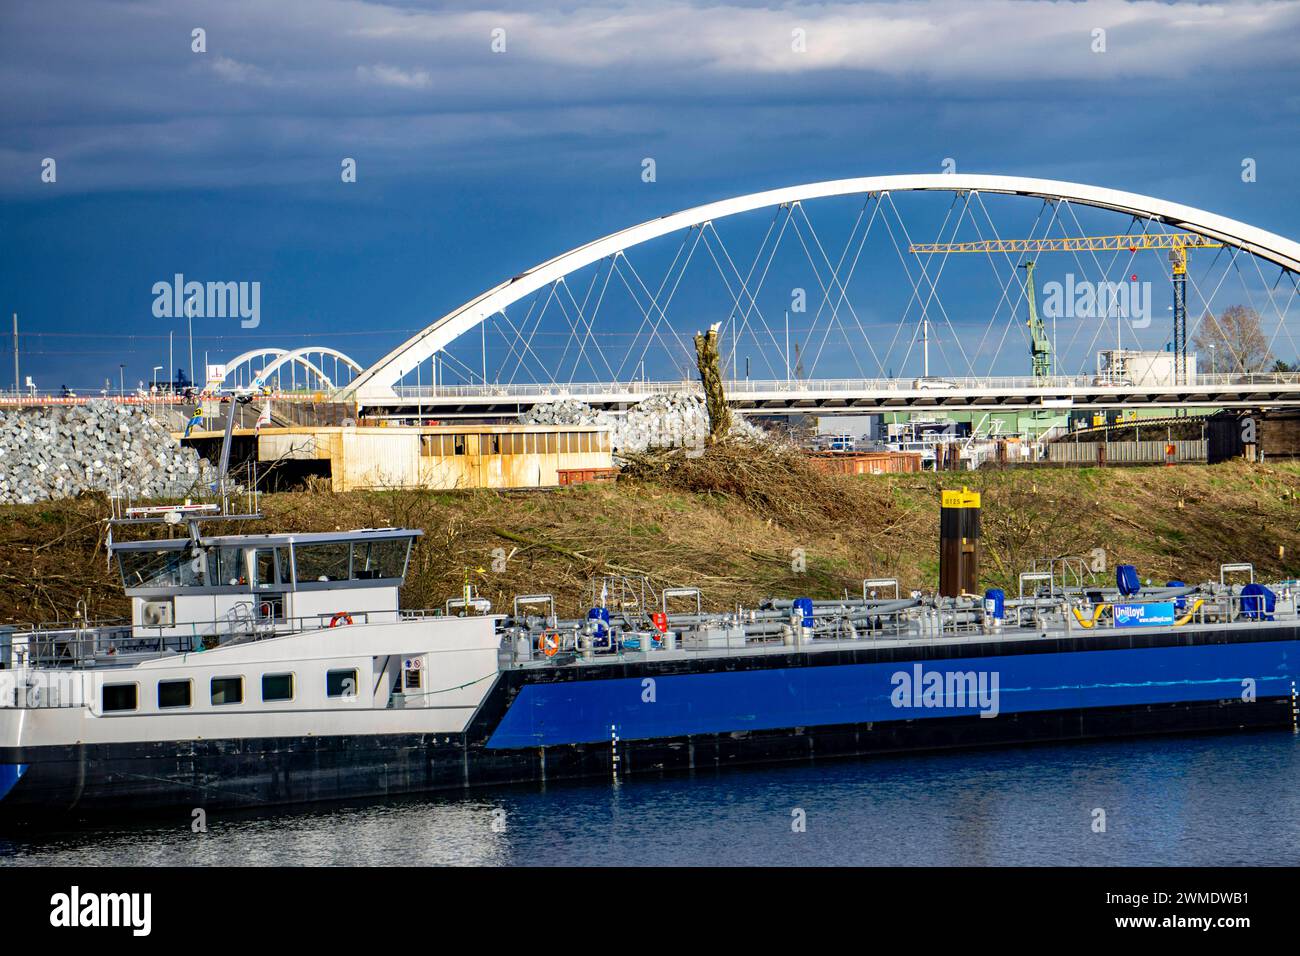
<point>175,693</point>
<point>119,697</point>
<point>277,687</point>
<point>341,683</point>
<point>227,690</point>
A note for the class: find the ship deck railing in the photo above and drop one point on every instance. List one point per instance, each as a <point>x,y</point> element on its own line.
<point>1033,617</point>
<point>121,644</point>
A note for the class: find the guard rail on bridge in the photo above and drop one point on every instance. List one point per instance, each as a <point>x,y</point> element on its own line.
<point>848,396</point>
<point>827,396</point>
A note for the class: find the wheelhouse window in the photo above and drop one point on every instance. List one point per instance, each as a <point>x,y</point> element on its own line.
<point>175,693</point>
<point>277,687</point>
<point>270,567</point>
<point>341,683</point>
<point>380,559</point>
<point>160,569</point>
<point>227,690</point>
<point>119,697</point>
<point>228,566</point>
<point>352,561</point>
<point>327,561</point>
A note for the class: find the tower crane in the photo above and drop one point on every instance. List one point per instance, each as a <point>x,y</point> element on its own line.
<point>1040,348</point>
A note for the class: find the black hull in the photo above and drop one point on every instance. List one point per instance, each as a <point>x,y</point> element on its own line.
<point>120,779</point>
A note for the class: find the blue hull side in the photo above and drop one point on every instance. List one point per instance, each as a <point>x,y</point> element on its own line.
<point>10,774</point>
<point>582,711</point>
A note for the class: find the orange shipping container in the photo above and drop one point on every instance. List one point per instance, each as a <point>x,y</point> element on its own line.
<point>868,463</point>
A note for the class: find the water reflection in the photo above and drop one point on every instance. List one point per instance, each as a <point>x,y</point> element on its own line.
<point>1205,800</point>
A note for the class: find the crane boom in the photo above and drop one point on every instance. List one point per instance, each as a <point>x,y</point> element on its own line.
<point>1179,241</point>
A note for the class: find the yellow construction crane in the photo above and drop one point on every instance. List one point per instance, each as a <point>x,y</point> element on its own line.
<point>1176,242</point>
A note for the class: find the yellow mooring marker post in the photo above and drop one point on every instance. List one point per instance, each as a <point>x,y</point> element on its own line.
<point>959,540</point>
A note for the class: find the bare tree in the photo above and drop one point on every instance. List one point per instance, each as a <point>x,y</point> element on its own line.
<point>1234,341</point>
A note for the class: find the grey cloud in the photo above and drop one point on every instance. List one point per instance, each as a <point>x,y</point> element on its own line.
<point>115,90</point>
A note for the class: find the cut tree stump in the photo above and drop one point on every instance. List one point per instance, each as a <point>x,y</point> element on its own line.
<point>709,363</point>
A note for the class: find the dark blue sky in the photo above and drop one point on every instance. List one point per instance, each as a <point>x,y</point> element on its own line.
<point>472,165</point>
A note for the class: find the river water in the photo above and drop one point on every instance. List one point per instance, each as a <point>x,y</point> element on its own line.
<point>1212,800</point>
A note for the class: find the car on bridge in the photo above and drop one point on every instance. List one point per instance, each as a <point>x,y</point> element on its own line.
<point>932,382</point>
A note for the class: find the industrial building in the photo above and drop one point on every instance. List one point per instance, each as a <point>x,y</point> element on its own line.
<point>1137,367</point>
<point>440,457</point>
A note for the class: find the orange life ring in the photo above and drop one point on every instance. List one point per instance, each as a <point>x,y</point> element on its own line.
<point>549,643</point>
<point>342,617</point>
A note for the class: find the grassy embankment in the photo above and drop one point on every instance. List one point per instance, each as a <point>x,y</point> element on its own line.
<point>730,523</point>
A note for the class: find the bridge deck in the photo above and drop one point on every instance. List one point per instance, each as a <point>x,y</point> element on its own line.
<point>1261,390</point>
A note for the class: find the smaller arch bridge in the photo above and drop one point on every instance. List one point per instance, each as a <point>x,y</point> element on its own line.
<point>256,368</point>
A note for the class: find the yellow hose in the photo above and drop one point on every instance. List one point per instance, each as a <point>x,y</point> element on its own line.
<point>1096,613</point>
<point>1188,616</point>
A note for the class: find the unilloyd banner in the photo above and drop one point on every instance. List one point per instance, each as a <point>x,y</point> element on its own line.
<point>1160,613</point>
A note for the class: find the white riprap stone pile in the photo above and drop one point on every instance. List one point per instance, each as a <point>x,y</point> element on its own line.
<point>63,451</point>
<point>567,411</point>
<point>678,420</point>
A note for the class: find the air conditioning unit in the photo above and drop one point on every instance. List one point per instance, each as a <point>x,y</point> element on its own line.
<point>157,614</point>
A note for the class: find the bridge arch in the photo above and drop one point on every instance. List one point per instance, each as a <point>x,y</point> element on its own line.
<point>239,361</point>
<point>281,357</point>
<point>300,356</point>
<point>378,382</point>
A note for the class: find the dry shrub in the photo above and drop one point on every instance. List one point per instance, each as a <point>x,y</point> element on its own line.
<point>1025,520</point>
<point>776,481</point>
<point>52,563</point>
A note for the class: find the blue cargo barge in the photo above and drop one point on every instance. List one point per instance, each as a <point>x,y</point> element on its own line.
<point>268,669</point>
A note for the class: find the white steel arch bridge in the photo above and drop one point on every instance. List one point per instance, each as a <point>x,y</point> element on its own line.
<point>290,370</point>
<point>865,334</point>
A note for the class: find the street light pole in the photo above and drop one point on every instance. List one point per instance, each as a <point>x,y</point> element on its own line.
<point>787,348</point>
<point>121,380</point>
<point>189,321</point>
